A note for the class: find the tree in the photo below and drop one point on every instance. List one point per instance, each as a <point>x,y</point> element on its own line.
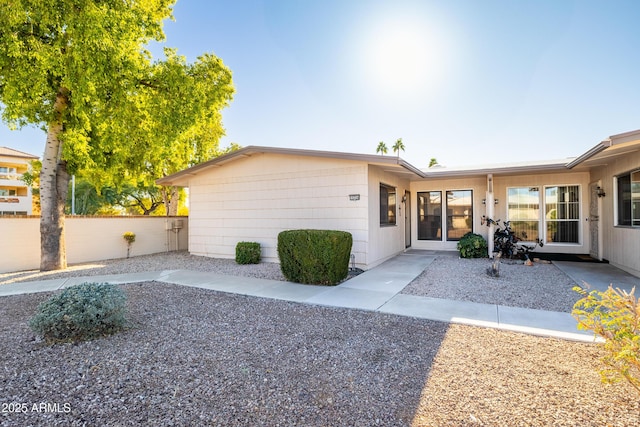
<point>433,162</point>
<point>398,146</point>
<point>382,148</point>
<point>78,69</point>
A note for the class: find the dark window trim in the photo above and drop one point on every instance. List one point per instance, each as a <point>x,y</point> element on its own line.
<point>387,220</point>
<point>422,219</point>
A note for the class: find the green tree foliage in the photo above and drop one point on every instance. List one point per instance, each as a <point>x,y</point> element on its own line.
<point>80,70</point>
<point>382,148</point>
<point>398,146</point>
<point>432,162</point>
<point>613,315</point>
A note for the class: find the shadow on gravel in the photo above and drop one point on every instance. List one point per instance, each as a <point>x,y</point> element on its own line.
<point>199,357</point>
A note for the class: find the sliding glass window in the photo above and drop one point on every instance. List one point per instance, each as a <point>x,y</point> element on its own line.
<point>562,214</point>
<point>459,213</point>
<point>523,204</point>
<point>430,215</point>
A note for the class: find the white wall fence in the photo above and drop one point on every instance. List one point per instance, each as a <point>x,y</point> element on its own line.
<point>91,238</point>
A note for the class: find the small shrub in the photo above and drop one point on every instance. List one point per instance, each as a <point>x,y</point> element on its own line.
<point>129,237</point>
<point>248,253</point>
<point>472,245</point>
<point>318,257</point>
<point>81,312</point>
<point>615,316</point>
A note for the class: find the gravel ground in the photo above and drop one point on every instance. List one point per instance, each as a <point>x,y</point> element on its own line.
<point>540,286</point>
<point>199,357</point>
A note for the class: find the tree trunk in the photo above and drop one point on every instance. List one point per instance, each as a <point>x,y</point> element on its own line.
<point>54,185</point>
<point>171,200</point>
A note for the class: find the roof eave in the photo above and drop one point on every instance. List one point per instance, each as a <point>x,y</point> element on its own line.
<point>603,145</point>
<point>181,178</point>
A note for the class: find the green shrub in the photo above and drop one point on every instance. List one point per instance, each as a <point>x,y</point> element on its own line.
<point>81,312</point>
<point>318,257</point>
<point>615,316</point>
<point>472,245</point>
<point>248,253</point>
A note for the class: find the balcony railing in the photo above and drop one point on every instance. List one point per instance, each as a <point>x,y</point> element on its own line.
<point>15,203</point>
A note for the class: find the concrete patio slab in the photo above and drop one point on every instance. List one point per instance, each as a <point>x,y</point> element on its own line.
<point>31,287</point>
<point>288,291</point>
<point>442,310</point>
<point>540,322</point>
<point>380,281</point>
<point>351,298</point>
<point>599,275</point>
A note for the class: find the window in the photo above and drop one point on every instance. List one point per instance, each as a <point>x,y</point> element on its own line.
<point>562,214</point>
<point>628,199</point>
<point>459,213</point>
<point>523,206</point>
<point>387,205</point>
<point>430,215</point>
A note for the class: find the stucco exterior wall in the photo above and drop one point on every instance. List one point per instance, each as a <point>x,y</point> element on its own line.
<point>90,239</point>
<point>385,240</point>
<point>501,183</point>
<point>255,198</point>
<point>478,185</point>
<point>621,244</point>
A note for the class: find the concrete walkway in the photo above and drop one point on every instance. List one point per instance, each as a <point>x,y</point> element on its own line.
<point>376,290</point>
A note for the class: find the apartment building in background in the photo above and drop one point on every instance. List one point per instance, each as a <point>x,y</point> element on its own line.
<point>15,195</point>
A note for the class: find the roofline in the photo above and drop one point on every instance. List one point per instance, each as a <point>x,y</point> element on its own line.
<point>603,145</point>
<point>253,149</point>
<point>19,154</point>
<point>444,173</point>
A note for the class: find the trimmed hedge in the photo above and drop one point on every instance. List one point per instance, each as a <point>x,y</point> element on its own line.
<point>319,257</point>
<point>248,253</point>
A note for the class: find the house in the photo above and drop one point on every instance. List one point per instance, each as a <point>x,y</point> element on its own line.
<point>15,195</point>
<point>585,205</point>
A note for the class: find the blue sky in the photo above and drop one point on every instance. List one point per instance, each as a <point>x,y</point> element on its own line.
<point>464,81</point>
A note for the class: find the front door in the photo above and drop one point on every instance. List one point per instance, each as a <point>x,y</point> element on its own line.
<point>594,221</point>
<point>407,219</point>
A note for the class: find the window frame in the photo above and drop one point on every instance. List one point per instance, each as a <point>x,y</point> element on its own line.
<point>387,220</point>
<point>578,220</point>
<point>619,208</point>
<point>449,227</point>
<point>428,194</point>
<point>537,220</point>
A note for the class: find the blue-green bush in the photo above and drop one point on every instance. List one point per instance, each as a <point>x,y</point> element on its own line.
<point>81,312</point>
<point>318,257</point>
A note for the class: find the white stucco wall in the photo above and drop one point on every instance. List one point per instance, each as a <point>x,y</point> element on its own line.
<point>500,185</point>
<point>476,184</point>
<point>385,240</point>
<point>90,238</point>
<point>255,198</point>
<point>621,244</point>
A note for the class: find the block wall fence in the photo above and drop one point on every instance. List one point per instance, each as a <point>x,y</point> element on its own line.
<point>91,238</point>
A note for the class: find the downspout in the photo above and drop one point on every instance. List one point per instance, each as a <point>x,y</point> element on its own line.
<point>489,204</point>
